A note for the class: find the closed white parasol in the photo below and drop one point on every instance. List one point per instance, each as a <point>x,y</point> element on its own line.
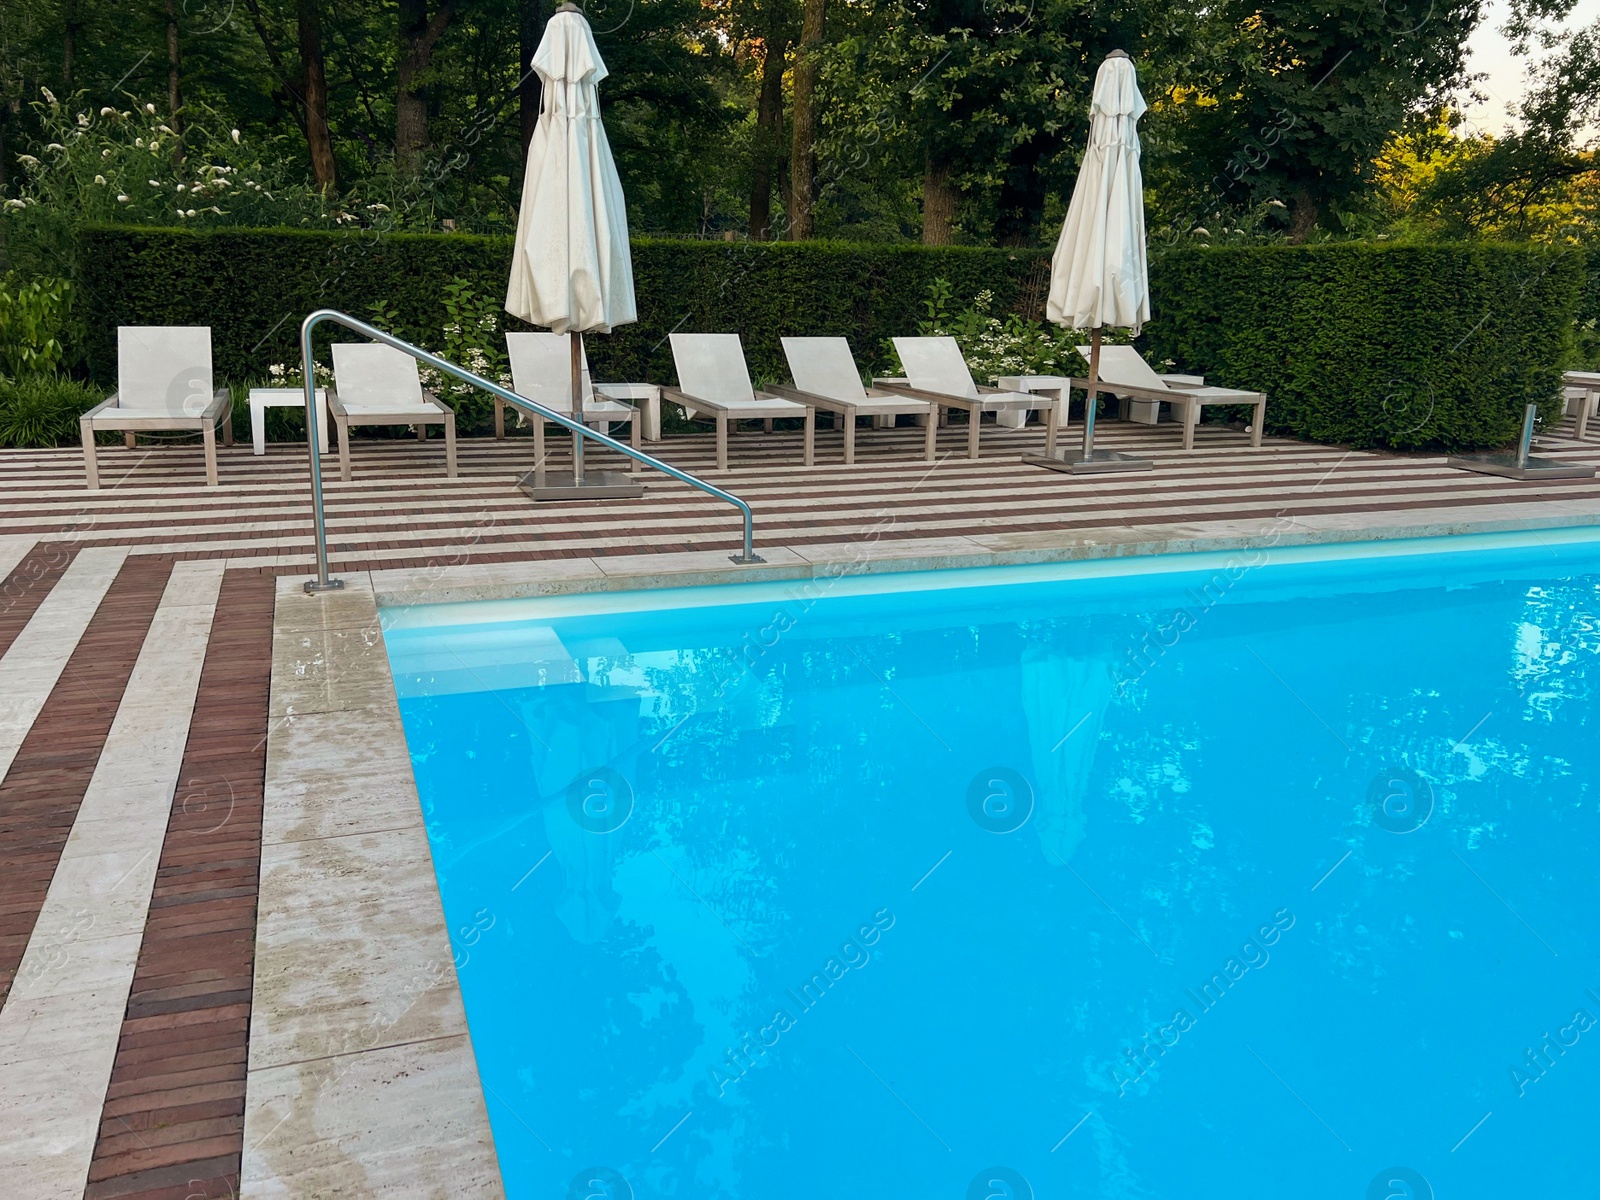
<point>571,269</point>
<point>1098,276</point>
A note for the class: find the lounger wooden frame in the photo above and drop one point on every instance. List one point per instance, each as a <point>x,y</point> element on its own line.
<point>1190,399</point>
<point>761,409</point>
<point>884,404</point>
<point>985,402</point>
<point>107,415</point>
<point>434,414</point>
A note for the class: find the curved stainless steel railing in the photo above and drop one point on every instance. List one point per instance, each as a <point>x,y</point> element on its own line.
<point>322,582</point>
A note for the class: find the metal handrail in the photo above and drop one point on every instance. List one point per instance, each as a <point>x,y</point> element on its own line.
<point>322,582</point>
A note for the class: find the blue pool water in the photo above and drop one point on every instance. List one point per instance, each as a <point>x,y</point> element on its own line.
<point>1244,875</point>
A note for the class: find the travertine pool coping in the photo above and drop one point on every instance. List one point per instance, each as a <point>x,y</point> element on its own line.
<point>362,1078</point>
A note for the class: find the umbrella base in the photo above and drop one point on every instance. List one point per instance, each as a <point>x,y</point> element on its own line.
<point>1530,468</point>
<point>540,484</point>
<point>1096,462</point>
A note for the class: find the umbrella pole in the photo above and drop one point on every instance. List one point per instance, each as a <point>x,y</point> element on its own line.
<point>1094,388</point>
<point>577,404</point>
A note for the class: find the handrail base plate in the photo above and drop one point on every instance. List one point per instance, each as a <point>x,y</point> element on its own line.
<point>313,586</point>
<point>596,485</point>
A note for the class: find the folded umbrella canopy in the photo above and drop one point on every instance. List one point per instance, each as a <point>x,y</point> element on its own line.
<point>1098,276</point>
<point>571,270</point>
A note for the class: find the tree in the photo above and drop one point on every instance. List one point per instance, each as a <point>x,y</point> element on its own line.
<point>1295,99</point>
<point>174,70</point>
<point>419,37</point>
<point>803,153</point>
<point>314,95</point>
<point>985,101</point>
<point>530,29</point>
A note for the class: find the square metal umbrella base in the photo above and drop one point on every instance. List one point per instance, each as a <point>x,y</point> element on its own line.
<point>540,484</point>
<point>1508,466</point>
<point>1096,462</point>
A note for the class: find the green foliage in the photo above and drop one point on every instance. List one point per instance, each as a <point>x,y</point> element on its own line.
<point>1295,99</point>
<point>1359,343</point>
<point>1408,347</point>
<point>32,317</point>
<point>994,346</point>
<point>254,287</point>
<point>43,410</point>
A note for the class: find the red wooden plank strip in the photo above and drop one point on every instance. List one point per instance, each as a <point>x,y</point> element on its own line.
<point>42,791</point>
<point>174,1114</point>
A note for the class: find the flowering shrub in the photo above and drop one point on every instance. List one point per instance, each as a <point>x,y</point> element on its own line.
<point>993,346</point>
<point>292,375</point>
<point>127,164</point>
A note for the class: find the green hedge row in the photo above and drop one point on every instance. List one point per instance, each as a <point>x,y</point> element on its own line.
<point>1369,345</point>
<point>1356,343</point>
<point>253,287</point>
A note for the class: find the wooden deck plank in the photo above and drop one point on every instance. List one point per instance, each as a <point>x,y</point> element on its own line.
<point>41,793</point>
<point>164,1119</point>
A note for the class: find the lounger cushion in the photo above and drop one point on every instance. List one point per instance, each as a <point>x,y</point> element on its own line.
<point>375,378</point>
<point>711,366</point>
<point>935,364</point>
<point>541,369</point>
<point>164,370</point>
<point>1124,364</point>
<point>824,366</point>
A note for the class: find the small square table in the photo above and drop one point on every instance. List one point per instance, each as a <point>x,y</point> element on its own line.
<point>644,396</point>
<point>262,399</point>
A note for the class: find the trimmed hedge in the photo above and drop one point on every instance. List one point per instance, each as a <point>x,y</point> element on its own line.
<point>1361,344</point>
<point>253,287</point>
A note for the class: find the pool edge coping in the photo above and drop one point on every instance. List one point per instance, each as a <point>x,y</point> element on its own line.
<point>449,583</point>
<point>390,1096</point>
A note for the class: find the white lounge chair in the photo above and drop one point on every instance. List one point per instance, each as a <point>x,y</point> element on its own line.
<point>1124,372</point>
<point>541,370</point>
<point>936,372</point>
<point>1582,393</point>
<point>164,382</point>
<point>825,376</point>
<point>713,378</point>
<point>379,385</point>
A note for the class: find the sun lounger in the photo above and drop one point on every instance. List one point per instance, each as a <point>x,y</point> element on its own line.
<point>937,373</point>
<point>541,370</point>
<point>1124,372</point>
<point>1582,392</point>
<point>164,382</point>
<point>379,385</point>
<point>825,376</point>
<point>713,378</point>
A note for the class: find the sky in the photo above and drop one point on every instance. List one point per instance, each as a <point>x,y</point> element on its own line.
<point>1491,56</point>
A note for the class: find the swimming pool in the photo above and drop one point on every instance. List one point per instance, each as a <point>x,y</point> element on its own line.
<point>1242,874</point>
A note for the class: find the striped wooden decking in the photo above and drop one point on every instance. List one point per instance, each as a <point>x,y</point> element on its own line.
<point>400,510</point>
<point>87,575</point>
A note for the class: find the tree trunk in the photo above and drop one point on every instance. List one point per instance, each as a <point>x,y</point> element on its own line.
<point>769,136</point>
<point>531,22</point>
<point>938,203</point>
<point>1303,218</point>
<point>69,43</point>
<point>419,35</point>
<point>308,14</point>
<point>174,100</point>
<point>802,155</point>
